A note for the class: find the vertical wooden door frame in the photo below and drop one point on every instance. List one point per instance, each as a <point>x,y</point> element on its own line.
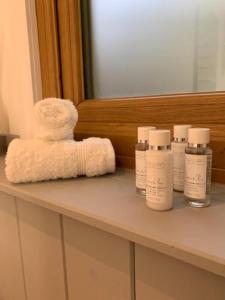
<point>60,38</point>
<point>47,23</point>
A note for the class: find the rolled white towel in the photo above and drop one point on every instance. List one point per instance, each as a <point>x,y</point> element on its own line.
<point>38,160</point>
<point>54,119</point>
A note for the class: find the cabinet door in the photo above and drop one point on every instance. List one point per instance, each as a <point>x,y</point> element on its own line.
<point>11,273</point>
<point>42,252</point>
<point>98,263</point>
<point>161,277</point>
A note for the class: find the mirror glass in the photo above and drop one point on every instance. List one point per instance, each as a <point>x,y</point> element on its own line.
<point>153,47</point>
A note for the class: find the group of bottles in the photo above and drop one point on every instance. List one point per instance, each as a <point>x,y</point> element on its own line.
<point>183,165</point>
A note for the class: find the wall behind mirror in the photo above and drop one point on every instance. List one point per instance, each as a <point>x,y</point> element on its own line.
<point>153,47</point>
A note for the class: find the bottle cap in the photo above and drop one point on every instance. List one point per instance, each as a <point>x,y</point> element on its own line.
<point>180,131</point>
<point>143,132</point>
<point>198,135</point>
<point>159,137</point>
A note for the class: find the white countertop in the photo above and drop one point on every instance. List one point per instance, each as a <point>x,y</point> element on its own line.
<point>110,203</point>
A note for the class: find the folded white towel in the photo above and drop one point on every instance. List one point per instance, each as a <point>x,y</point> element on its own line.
<point>55,119</point>
<point>105,163</point>
<point>37,160</point>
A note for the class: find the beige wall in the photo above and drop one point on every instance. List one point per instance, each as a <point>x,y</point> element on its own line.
<point>16,86</point>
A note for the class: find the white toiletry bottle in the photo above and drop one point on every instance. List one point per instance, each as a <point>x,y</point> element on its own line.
<point>198,166</point>
<point>140,163</point>
<point>159,181</point>
<point>178,145</point>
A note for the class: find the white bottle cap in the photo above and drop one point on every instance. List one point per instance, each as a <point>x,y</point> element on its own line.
<point>198,135</point>
<point>180,131</point>
<point>143,133</point>
<point>159,137</point>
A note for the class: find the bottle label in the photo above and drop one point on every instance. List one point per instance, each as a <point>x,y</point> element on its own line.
<point>140,169</point>
<point>178,165</point>
<point>195,176</point>
<point>159,179</point>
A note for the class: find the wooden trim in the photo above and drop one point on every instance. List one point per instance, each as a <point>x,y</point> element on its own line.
<point>218,175</point>
<point>123,137</point>
<point>87,48</point>
<point>69,17</point>
<point>118,119</point>
<point>46,12</point>
<point>190,108</point>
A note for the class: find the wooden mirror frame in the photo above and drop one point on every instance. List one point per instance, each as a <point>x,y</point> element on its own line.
<point>60,43</point>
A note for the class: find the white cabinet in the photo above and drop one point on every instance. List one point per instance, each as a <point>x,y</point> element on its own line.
<point>36,258</point>
<point>161,277</point>
<point>42,252</point>
<point>97,263</point>
<point>47,256</point>
<point>11,272</point>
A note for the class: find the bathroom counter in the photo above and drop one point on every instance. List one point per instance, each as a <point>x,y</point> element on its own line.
<point>110,203</point>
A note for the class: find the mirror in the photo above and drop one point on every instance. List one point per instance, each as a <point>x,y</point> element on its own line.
<point>153,47</point>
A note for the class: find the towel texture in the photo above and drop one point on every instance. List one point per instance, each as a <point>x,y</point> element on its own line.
<point>55,119</point>
<point>38,160</point>
<point>105,163</point>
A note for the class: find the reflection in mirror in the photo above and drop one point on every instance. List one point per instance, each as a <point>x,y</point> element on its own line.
<point>153,47</point>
